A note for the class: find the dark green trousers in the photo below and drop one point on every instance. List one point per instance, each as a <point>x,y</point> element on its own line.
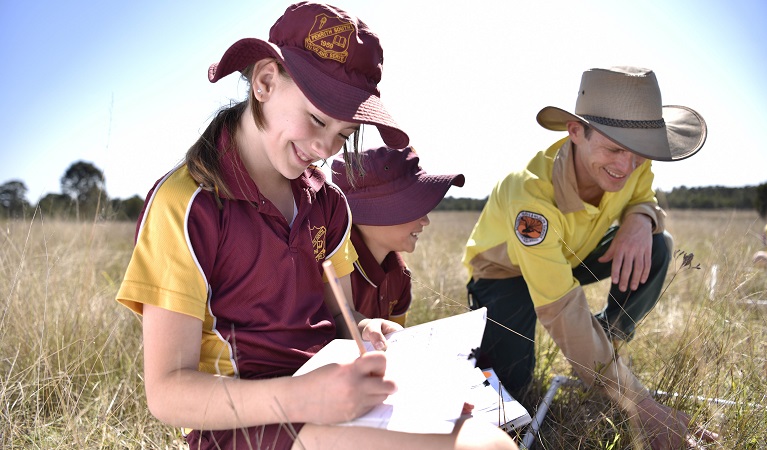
<point>510,348</point>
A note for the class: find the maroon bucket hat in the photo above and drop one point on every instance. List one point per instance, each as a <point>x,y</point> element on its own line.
<point>394,189</point>
<point>334,59</point>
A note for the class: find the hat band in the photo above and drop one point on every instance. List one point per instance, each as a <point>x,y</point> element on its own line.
<point>619,123</point>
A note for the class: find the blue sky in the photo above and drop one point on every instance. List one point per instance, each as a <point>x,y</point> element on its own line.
<point>123,84</point>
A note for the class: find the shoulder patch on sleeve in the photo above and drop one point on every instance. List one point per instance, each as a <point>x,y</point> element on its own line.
<point>530,227</point>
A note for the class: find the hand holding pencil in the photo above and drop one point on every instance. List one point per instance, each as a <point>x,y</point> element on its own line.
<point>346,310</point>
<point>376,329</point>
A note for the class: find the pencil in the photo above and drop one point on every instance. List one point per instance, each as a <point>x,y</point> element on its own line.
<point>346,310</point>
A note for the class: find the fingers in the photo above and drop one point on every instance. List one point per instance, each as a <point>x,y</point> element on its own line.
<point>640,270</point>
<point>371,385</point>
<point>368,387</point>
<point>623,265</point>
<point>340,392</point>
<point>622,272</point>
<point>671,429</point>
<point>607,256</point>
<point>630,269</point>
<point>372,333</point>
<point>378,340</point>
<point>622,269</point>
<point>389,326</point>
<point>371,364</point>
<point>692,444</point>
<point>701,435</point>
<point>630,252</point>
<point>705,435</point>
<point>372,367</point>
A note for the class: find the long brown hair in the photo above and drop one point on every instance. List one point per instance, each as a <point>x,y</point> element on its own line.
<point>203,157</point>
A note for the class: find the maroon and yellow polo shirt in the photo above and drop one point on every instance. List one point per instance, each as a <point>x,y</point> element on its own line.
<point>255,281</point>
<point>380,290</point>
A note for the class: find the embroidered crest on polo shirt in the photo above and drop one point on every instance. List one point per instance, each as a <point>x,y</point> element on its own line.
<point>318,241</point>
<point>392,304</point>
<point>329,37</point>
<point>530,228</point>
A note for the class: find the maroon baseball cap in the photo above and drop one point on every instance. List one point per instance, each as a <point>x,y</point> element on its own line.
<point>334,59</point>
<point>394,189</point>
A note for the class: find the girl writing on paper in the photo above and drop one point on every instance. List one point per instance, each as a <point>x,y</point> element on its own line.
<point>226,271</point>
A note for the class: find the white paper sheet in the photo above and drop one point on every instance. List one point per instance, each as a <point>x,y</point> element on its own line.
<point>429,362</point>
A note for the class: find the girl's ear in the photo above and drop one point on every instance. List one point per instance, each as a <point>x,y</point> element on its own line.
<point>265,73</point>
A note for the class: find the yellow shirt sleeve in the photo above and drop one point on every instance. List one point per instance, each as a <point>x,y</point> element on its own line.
<point>163,259</point>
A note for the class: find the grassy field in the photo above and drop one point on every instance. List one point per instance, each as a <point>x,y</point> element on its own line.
<point>70,357</point>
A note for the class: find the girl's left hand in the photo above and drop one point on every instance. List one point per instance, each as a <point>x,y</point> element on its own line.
<point>374,331</point>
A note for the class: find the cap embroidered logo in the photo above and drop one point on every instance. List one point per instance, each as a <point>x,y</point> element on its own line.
<point>333,58</point>
<point>329,38</point>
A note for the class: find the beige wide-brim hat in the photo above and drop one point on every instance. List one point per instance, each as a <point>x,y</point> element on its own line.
<point>624,104</point>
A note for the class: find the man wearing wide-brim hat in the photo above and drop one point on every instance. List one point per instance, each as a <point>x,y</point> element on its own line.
<point>549,229</point>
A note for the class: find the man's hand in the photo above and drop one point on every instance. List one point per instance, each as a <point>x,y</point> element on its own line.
<point>630,252</point>
<point>667,428</point>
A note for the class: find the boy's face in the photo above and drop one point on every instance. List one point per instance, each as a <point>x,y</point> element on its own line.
<point>394,238</point>
<point>601,163</point>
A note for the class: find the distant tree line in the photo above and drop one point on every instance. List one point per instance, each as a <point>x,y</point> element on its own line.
<point>461,204</point>
<point>713,197</point>
<point>83,197</point>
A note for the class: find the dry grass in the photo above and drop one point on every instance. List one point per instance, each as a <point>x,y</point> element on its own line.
<point>70,357</point>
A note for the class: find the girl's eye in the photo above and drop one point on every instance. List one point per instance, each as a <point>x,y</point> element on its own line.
<point>345,138</point>
<point>317,121</point>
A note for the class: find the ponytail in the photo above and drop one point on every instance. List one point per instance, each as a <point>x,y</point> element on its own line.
<point>203,158</point>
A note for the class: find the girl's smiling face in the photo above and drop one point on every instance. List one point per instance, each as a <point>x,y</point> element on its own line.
<point>296,133</point>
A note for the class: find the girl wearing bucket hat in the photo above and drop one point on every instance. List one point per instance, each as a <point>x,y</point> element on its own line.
<point>547,230</point>
<point>227,267</point>
<point>390,202</point>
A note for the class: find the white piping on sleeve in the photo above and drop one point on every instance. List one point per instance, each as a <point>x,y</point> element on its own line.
<point>207,285</point>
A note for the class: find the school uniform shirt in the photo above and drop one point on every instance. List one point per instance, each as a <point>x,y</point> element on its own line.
<point>380,290</point>
<point>535,225</point>
<point>255,281</point>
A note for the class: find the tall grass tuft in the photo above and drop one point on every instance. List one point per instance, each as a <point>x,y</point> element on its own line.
<point>70,357</point>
